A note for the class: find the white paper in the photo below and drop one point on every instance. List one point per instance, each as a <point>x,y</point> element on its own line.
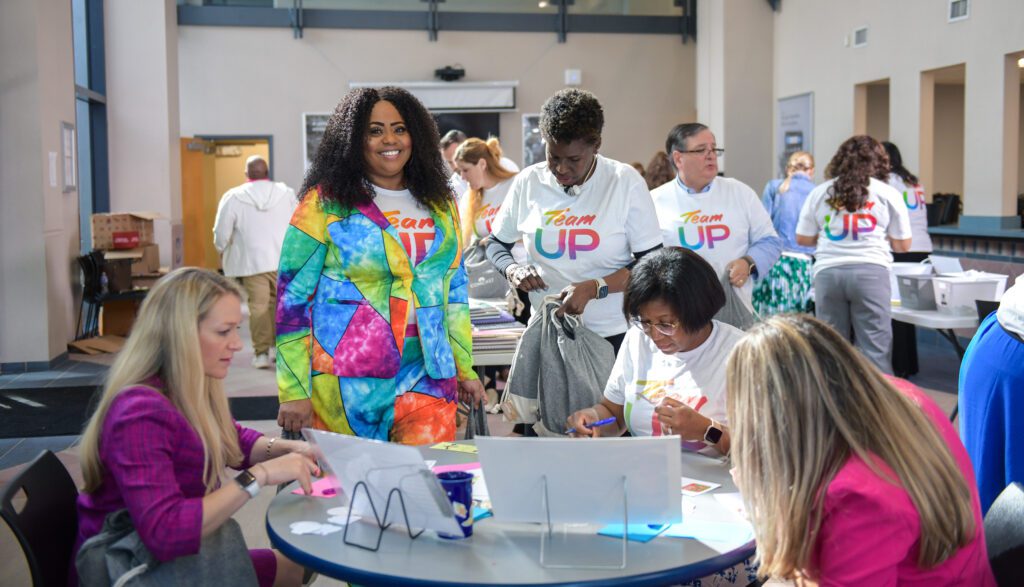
<point>733,502</point>
<point>584,479</point>
<point>383,466</point>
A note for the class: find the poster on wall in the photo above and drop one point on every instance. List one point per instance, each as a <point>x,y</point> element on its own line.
<point>313,126</point>
<point>794,127</point>
<point>533,144</point>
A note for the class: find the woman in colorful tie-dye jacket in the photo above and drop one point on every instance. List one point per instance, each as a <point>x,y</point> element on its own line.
<point>373,332</point>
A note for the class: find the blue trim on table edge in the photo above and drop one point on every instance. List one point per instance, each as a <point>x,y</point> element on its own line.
<point>695,571</point>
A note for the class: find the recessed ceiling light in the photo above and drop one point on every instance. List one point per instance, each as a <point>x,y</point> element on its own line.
<point>542,4</point>
<point>1020,63</point>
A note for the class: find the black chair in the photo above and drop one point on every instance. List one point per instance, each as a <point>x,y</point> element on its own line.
<point>47,526</point>
<point>985,307</point>
<point>94,296</point>
<point>1004,535</point>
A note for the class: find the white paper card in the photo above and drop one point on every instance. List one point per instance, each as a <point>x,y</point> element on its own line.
<point>383,466</point>
<point>584,479</point>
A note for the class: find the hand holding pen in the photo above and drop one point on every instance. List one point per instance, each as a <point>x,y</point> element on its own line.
<point>586,423</point>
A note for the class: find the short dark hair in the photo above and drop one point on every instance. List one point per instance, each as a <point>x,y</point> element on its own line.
<point>453,137</point>
<point>680,278</point>
<point>676,140</point>
<point>338,171</point>
<point>570,115</point>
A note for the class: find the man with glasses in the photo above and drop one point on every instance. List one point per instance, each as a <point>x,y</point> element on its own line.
<point>719,218</point>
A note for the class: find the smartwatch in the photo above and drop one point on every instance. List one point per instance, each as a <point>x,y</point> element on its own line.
<point>713,434</point>
<point>602,288</point>
<point>750,261</point>
<point>248,482</point>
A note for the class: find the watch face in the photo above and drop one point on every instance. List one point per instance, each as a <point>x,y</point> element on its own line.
<point>602,292</point>
<point>713,435</point>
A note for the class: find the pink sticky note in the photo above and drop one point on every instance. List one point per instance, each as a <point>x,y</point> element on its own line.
<point>326,487</point>
<point>459,467</point>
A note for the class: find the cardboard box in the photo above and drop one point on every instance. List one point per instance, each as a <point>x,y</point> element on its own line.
<point>145,259</point>
<point>117,317</point>
<point>97,344</point>
<point>131,229</point>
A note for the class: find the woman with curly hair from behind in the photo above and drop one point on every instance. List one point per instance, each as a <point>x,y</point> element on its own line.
<point>853,219</point>
<point>373,332</point>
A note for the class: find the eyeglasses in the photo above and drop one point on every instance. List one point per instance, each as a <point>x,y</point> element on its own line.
<point>704,152</point>
<point>664,328</point>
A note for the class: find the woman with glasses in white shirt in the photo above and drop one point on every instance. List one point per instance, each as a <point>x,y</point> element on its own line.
<point>668,377</point>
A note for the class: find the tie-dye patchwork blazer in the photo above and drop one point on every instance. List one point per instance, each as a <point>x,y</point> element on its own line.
<point>346,288</point>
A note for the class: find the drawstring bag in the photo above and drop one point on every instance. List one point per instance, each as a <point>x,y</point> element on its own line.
<point>735,312</point>
<point>117,556</point>
<point>560,367</point>
<point>476,422</point>
<point>484,280</point>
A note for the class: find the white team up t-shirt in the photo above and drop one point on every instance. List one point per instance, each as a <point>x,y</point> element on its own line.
<point>913,197</point>
<point>846,238</point>
<point>719,225</point>
<point>643,376</point>
<point>575,238</point>
<point>483,220</point>
<point>414,224</point>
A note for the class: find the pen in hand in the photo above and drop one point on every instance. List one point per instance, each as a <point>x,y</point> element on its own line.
<point>604,422</point>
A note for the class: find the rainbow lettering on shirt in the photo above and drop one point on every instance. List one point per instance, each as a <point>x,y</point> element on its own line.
<point>917,197</point>
<point>575,240</point>
<point>486,213</point>
<point>416,234</point>
<point>709,229</point>
<point>853,224</point>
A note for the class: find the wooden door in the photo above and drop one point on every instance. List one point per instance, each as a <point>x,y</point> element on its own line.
<point>197,193</point>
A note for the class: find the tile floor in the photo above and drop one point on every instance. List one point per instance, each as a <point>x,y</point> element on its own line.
<point>939,365</point>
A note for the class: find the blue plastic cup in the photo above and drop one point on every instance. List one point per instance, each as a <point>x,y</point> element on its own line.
<point>459,487</point>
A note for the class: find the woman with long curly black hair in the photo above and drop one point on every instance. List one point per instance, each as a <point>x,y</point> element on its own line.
<point>860,217</point>
<point>373,333</point>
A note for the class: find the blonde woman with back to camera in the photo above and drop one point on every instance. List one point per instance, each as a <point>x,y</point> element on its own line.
<point>162,434</point>
<point>849,477</point>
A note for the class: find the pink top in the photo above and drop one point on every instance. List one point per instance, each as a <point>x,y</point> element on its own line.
<point>153,466</point>
<point>870,528</point>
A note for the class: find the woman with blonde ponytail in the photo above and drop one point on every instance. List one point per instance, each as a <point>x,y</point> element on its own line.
<point>162,433</point>
<point>787,287</point>
<point>478,163</point>
<point>849,477</point>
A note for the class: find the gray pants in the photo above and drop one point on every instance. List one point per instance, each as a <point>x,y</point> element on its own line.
<point>855,300</point>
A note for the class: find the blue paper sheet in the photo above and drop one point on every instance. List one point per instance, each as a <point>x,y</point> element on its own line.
<point>637,532</point>
<point>712,531</point>
<point>480,513</point>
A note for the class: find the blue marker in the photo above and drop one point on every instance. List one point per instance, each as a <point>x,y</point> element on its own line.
<point>604,422</point>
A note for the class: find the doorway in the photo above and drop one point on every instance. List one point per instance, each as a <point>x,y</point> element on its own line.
<point>210,166</point>
<point>871,109</point>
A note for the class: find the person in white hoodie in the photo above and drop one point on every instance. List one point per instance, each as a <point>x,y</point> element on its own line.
<point>251,221</point>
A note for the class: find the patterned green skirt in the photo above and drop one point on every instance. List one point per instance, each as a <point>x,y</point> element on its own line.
<point>787,288</point>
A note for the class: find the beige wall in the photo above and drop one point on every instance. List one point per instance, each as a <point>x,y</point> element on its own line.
<point>38,222</point>
<point>260,80</point>
<point>734,85</point>
<point>905,38</point>
<point>142,111</point>
<point>948,169</point>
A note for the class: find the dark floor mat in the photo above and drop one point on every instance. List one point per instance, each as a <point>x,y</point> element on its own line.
<point>56,411</point>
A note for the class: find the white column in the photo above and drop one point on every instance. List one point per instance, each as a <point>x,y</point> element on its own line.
<point>142,111</point>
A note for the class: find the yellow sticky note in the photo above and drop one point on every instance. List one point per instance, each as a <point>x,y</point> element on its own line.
<point>466,448</point>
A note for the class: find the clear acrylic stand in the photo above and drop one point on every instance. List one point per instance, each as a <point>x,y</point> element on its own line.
<point>382,521</point>
<point>546,535</point>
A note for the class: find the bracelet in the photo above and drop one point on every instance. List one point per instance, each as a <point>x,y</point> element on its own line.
<point>269,445</point>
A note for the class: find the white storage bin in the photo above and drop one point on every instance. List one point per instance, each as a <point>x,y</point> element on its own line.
<point>901,268</point>
<point>956,294</point>
<point>917,292</point>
